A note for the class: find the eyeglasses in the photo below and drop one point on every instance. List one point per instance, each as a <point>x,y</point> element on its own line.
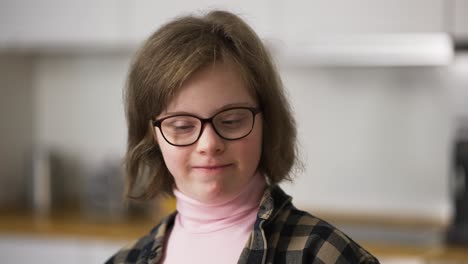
<point>230,124</point>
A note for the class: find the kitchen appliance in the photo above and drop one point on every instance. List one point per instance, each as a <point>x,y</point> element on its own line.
<point>458,231</point>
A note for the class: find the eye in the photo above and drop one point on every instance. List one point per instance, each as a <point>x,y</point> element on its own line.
<point>180,125</point>
<point>232,120</point>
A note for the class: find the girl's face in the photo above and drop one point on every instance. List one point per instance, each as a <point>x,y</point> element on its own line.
<point>213,169</point>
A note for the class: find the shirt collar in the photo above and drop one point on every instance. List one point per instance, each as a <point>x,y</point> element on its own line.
<point>273,201</point>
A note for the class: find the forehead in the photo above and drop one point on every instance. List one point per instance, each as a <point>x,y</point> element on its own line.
<point>210,89</point>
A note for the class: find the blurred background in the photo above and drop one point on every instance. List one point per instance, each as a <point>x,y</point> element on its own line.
<point>379,89</point>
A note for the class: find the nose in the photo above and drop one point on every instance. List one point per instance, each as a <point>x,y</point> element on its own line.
<point>210,142</point>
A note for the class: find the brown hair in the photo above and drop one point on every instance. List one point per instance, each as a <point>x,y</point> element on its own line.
<point>168,58</point>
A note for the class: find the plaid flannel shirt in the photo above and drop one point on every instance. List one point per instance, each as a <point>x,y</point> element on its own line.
<point>282,234</point>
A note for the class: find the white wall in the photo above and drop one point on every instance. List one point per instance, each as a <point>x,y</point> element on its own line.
<point>458,85</point>
<point>376,140</point>
<point>79,105</point>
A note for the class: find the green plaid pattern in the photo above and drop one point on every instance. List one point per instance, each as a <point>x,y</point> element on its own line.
<point>282,234</point>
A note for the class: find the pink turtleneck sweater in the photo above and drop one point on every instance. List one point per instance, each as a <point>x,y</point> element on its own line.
<point>207,233</point>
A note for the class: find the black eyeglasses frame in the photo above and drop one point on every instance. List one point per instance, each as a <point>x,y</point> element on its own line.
<point>253,110</point>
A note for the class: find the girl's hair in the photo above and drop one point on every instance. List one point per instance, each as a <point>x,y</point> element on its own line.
<point>168,58</point>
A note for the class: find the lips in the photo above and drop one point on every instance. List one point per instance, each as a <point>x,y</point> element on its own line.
<point>212,167</point>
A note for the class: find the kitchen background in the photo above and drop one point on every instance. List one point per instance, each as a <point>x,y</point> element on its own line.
<point>379,89</point>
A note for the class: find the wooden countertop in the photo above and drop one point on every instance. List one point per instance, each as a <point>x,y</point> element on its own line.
<point>73,225</point>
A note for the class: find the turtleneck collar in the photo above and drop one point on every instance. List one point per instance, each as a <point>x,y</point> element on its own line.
<point>198,217</point>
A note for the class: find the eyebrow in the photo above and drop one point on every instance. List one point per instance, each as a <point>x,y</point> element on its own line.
<point>232,105</point>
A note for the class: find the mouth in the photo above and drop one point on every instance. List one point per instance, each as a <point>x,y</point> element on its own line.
<point>212,167</point>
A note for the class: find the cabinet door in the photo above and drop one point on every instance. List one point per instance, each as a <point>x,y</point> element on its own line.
<point>58,23</point>
<point>108,23</point>
<point>147,15</point>
<point>301,19</point>
<point>29,249</point>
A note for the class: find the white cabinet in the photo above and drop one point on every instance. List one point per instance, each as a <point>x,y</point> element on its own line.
<point>26,249</point>
<point>303,18</point>
<point>147,15</point>
<point>105,23</point>
<point>58,23</point>
<point>111,23</point>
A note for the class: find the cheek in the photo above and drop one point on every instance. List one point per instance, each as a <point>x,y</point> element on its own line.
<point>173,157</point>
<point>252,147</point>
<point>258,135</point>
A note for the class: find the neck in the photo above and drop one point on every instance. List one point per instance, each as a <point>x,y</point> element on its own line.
<point>198,217</point>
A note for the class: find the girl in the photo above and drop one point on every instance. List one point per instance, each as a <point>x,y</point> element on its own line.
<point>208,123</point>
